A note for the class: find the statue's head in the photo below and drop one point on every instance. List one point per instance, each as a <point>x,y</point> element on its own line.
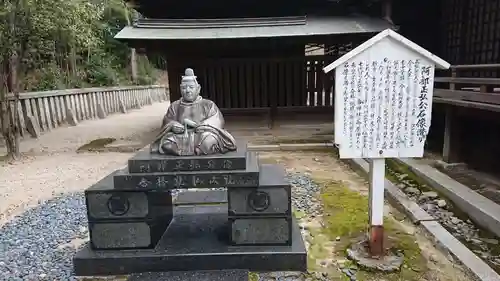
<point>190,89</point>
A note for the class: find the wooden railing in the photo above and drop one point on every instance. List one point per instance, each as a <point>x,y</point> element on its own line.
<point>42,111</point>
<point>461,88</point>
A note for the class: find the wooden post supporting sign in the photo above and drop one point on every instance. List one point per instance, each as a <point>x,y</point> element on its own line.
<point>377,179</point>
<point>383,106</point>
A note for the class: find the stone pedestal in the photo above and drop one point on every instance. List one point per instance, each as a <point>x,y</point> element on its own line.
<point>136,227</point>
<point>261,214</point>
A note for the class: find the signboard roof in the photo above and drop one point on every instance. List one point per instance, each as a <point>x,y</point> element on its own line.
<point>440,63</point>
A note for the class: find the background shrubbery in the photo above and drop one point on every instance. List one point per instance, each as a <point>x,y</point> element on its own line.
<point>69,44</point>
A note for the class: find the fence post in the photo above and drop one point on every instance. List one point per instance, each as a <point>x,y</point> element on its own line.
<point>451,140</point>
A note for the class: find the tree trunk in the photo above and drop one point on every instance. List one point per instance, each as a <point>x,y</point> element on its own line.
<point>133,64</point>
<point>12,138</point>
<point>10,120</point>
<point>133,55</point>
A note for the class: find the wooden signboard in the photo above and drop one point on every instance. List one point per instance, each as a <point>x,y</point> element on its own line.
<point>383,106</point>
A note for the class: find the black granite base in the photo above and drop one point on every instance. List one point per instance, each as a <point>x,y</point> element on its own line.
<point>197,239</point>
<point>106,203</point>
<point>260,230</point>
<point>127,234</point>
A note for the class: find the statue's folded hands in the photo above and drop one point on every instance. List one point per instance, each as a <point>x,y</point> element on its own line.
<point>177,128</point>
<point>193,125</point>
<point>190,123</point>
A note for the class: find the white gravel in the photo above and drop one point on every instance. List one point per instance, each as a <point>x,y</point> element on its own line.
<point>51,166</point>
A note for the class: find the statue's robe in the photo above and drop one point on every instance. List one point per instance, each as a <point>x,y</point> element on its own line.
<point>208,138</point>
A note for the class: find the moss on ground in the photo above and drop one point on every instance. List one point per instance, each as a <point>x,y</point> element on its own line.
<point>252,276</point>
<point>346,218</point>
<point>298,214</point>
<point>347,210</point>
<point>395,167</point>
<point>96,145</point>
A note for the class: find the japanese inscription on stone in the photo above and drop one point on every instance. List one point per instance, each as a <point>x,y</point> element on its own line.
<point>180,181</point>
<point>385,107</point>
<point>171,165</point>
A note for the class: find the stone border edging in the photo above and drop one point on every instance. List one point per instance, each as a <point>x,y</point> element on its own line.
<point>481,210</point>
<point>444,240</point>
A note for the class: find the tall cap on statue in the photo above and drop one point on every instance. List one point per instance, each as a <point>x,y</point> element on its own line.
<point>189,75</point>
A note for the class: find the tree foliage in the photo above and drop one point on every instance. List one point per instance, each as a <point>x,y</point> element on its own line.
<point>67,43</point>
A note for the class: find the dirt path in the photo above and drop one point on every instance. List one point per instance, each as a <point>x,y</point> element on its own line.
<point>51,165</point>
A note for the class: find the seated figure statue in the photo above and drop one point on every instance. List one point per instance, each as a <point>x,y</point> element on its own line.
<point>193,125</point>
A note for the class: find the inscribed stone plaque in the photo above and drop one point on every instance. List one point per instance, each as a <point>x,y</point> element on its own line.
<point>191,179</point>
<point>127,235</point>
<point>261,231</point>
<point>383,103</point>
<point>255,201</point>
<point>114,204</point>
<point>183,180</point>
<point>147,162</point>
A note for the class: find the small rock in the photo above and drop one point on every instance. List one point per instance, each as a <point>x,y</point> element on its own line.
<point>441,203</point>
<point>402,176</point>
<point>412,191</point>
<point>428,207</point>
<point>429,195</point>
<point>347,272</point>
<point>490,241</point>
<point>486,256</point>
<point>476,241</point>
<point>455,220</point>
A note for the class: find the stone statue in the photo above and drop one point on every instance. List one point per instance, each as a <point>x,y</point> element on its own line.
<point>193,125</point>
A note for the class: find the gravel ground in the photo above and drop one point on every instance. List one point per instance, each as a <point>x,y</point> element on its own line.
<point>39,244</point>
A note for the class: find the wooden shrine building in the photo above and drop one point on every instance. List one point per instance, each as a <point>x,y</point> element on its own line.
<point>249,55</point>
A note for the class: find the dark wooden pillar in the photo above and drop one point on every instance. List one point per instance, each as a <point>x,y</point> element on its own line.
<point>174,77</point>
<point>452,137</point>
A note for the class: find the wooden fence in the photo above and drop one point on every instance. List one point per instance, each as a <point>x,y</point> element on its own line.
<point>464,118</point>
<point>463,88</point>
<point>43,111</point>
